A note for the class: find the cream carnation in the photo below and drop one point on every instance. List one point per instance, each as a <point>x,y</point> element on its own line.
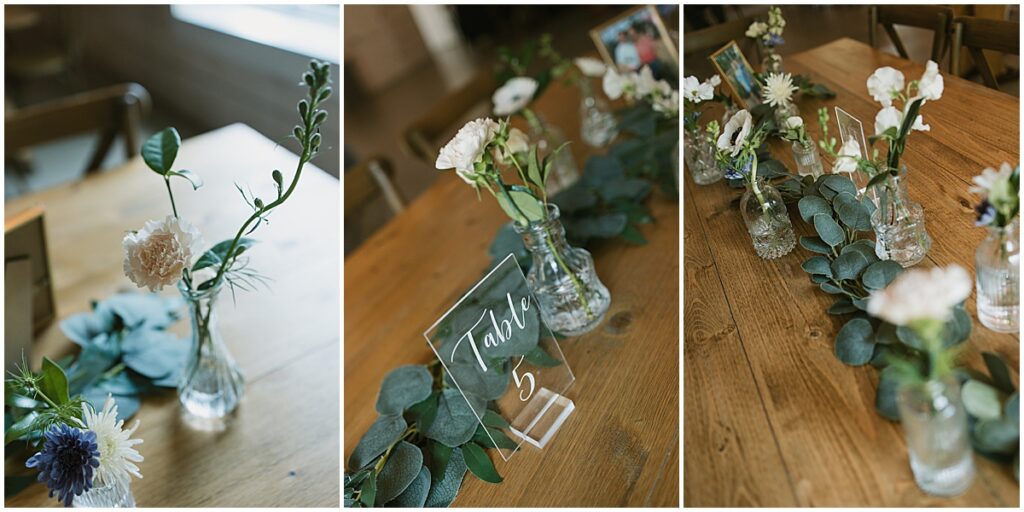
<point>156,255</point>
<point>920,294</point>
<point>466,149</point>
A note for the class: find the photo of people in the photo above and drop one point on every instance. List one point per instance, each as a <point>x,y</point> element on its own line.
<point>636,39</point>
<point>737,73</point>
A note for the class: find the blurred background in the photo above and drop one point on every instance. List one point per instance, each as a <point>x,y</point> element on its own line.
<point>81,80</point>
<point>709,27</point>
<point>403,63</point>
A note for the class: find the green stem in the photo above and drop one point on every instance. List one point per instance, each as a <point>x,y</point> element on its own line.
<point>580,289</point>
<point>174,208</point>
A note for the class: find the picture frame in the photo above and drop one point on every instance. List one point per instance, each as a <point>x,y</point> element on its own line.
<point>626,43</point>
<point>25,239</point>
<point>737,74</point>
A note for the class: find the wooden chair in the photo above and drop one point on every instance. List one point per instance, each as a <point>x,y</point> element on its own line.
<point>934,18</point>
<point>707,40</point>
<point>367,180</point>
<point>111,111</point>
<point>981,33</point>
<point>420,138</point>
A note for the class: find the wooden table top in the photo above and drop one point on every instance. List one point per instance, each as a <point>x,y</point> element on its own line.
<point>772,417</point>
<point>281,448</point>
<point>620,447</point>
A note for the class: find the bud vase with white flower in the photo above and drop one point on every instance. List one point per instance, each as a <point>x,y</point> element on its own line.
<point>484,153</point>
<point>931,410</point>
<point>997,259</point>
<point>598,127</point>
<point>762,207</point>
<point>699,150</point>
<point>805,151</point>
<point>777,92</point>
<point>769,36</point>
<point>84,455</point>
<point>163,253</point>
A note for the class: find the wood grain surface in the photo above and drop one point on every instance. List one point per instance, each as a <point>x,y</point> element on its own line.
<point>621,445</point>
<point>772,417</point>
<point>281,447</point>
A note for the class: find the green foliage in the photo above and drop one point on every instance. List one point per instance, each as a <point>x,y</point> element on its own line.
<point>402,388</point>
<point>160,150</point>
<point>402,465</point>
<point>993,405</point>
<point>604,203</point>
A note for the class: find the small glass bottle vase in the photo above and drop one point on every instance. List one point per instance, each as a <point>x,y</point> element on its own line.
<point>900,233</point>
<point>772,62</point>
<point>767,220</point>
<point>572,299</point>
<point>548,138</point>
<point>808,162</point>
<point>700,160</point>
<point>997,269</point>
<point>935,425</point>
<point>110,495</point>
<point>211,384</point>
<point>784,112</point>
<point>597,123</point>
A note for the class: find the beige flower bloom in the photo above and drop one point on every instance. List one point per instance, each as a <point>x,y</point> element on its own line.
<point>156,255</point>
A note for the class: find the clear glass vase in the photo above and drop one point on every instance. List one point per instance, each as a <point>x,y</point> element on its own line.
<point>111,495</point>
<point>808,161</point>
<point>767,220</point>
<point>548,138</point>
<point>784,112</point>
<point>211,384</point>
<point>997,278</point>
<point>900,233</point>
<point>772,62</point>
<point>572,299</point>
<point>700,160</point>
<point>935,425</point>
<point>598,126</point>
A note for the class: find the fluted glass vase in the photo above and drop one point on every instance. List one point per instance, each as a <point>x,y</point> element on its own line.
<point>935,424</point>
<point>598,126</point>
<point>808,161</point>
<point>900,233</point>
<point>767,220</point>
<point>548,137</point>
<point>572,299</point>
<point>700,160</point>
<point>997,280</point>
<point>111,495</point>
<point>211,384</point>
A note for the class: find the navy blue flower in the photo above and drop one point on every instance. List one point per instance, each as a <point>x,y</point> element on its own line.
<point>774,40</point>
<point>67,462</point>
<point>732,173</point>
<point>986,213</point>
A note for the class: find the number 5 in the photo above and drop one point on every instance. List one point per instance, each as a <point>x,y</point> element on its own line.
<point>519,381</point>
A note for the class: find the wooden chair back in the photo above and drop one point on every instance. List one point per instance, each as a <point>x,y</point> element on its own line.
<point>937,19</point>
<point>110,111</point>
<point>420,139</point>
<point>977,34</point>
<point>367,180</point>
<point>705,41</point>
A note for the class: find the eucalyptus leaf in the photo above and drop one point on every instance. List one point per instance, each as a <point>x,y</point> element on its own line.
<point>815,244</point>
<point>851,212</point>
<point>828,230</point>
<point>368,492</point>
<point>575,198</point>
<point>999,371</point>
<point>981,400</point>
<point>455,421</point>
<point>855,342</point>
<point>403,387</point>
<point>127,405</point>
<point>817,265</point>
<point>382,434</point>
<point>488,385</point>
<point>839,184</point>
<point>999,436</point>
<point>144,310</point>
<point>540,357</point>
<point>878,275</point>
<point>154,353</point>
<point>444,490</point>
<point>403,466</point>
<point>842,306</point>
<point>810,206</point>
<point>415,495</point>
<point>887,393</point>
<point>830,288</point>
<point>848,266</point>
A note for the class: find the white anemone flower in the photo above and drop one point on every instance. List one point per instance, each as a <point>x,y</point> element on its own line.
<point>115,446</point>
<point>590,66</point>
<point>512,97</point>
<point>778,89</point>
<point>741,122</point>
<point>884,83</point>
<point>920,294</point>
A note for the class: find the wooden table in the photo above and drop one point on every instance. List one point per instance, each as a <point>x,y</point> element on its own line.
<point>281,449</point>
<point>772,418</point>
<point>621,445</point>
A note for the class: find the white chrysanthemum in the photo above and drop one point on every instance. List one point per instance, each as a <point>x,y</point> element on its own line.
<point>931,85</point>
<point>512,97</point>
<point>466,149</point>
<point>156,255</point>
<point>116,448</point>
<point>590,66</point>
<point>847,159</point>
<point>729,140</point>
<point>884,83</point>
<point>778,89</point>
<point>991,179</point>
<point>920,294</point>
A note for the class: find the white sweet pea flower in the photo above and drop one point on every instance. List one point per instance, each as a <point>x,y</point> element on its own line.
<point>715,80</point>
<point>847,159</point>
<point>614,84</point>
<point>794,122</point>
<point>667,104</point>
<point>512,97</point>
<point>645,83</point>
<point>590,66</point>
<point>920,294</point>
<point>156,255</point>
<point>883,83</point>
<point>919,124</point>
<point>931,85</point>
<point>886,118</point>
<point>467,148</point>
<point>740,121</point>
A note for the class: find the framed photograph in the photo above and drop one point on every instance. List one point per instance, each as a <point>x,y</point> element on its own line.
<point>737,75</point>
<point>25,244</point>
<point>638,38</point>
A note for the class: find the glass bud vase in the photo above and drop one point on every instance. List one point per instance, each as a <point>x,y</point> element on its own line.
<point>935,425</point>
<point>111,495</point>
<point>598,126</point>
<point>211,384</point>
<point>767,220</point>
<point>900,233</point>
<point>784,112</point>
<point>997,269</point>
<point>772,62</point>
<point>572,299</point>
<point>548,138</point>
<point>700,160</point>
<point>808,161</point>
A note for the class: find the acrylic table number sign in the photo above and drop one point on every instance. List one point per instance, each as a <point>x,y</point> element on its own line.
<point>497,352</point>
<point>851,128</point>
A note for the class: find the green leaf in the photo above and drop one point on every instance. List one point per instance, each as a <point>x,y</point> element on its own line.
<point>855,342</point>
<point>838,184</point>
<point>886,334</point>
<point>192,177</point>
<point>403,387</point>
<point>218,253</point>
<point>908,337</point>
<point>494,420</point>
<point>423,413</point>
<point>489,385</point>
<point>851,212</point>
<point>887,393</point>
<point>633,235</point>
<point>54,383</point>
<point>996,436</point>
<point>817,265</point>
<point>539,357</point>
<point>842,306</point>
<point>415,495</point>
<point>810,206</point>
<point>160,150</point>
<point>382,434</point>
<point>368,492</point>
<point>445,489</point>
<point>830,288</point>
<point>999,371</point>
<point>849,265</point>
<point>533,171</point>
<point>20,429</point>
<point>828,230</point>
<point>479,464</point>
<point>815,244</point>
<point>981,400</point>
<point>455,422</point>
<point>402,467</point>
<point>878,275</point>
<point>957,329</point>
<point>440,455</point>
<point>529,205</point>
<point>877,179</point>
<point>484,435</point>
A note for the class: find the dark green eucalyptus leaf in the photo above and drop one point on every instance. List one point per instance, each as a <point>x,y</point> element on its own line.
<point>818,279</point>
<point>440,455</point>
<point>382,434</point>
<point>1012,408</point>
<point>957,329</point>
<point>456,420</point>
<point>817,265</point>
<point>127,405</point>
<point>866,248</point>
<point>494,420</point>
<point>160,150</point>
<point>415,495</point>
<point>828,230</point>
<point>601,226</point>
<point>629,189</point>
<point>848,266</point>
<point>810,206</point>
<point>144,310</point>
<point>815,244</point>
<point>851,212</point>
<point>888,391</point>
<point>908,337</point>
<point>838,184</point>
<point>576,198</point>
<point>445,489</point>
<point>886,334</point>
<point>999,436</point>
<point>855,342</point>
<point>82,328</point>
<point>488,385</point>
<point>601,169</point>
<point>842,306</point>
<point>539,357</point>
<point>423,413</point>
<point>878,275</point>
<point>403,387</point>
<point>401,469</point>
<point>981,400</point>
<point>830,288</point>
<point>999,371</point>
<point>633,235</point>
<point>479,464</point>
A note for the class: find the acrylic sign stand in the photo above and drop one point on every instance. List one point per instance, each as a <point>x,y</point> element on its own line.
<point>496,350</point>
<point>851,127</point>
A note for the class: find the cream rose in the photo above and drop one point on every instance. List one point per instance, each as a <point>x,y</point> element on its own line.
<point>156,255</point>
